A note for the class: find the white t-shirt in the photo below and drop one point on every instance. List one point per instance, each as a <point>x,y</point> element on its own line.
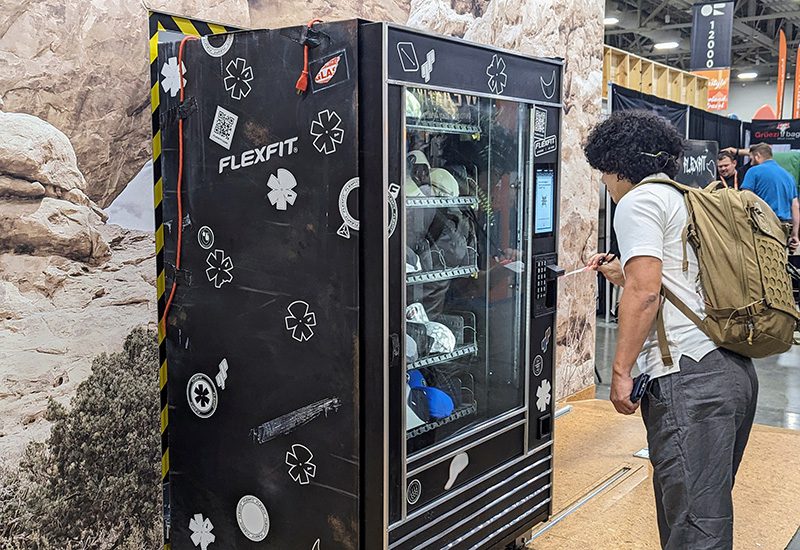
<point>649,221</point>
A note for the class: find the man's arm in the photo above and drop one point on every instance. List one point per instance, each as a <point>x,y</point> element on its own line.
<point>794,241</point>
<point>749,183</point>
<point>637,313</point>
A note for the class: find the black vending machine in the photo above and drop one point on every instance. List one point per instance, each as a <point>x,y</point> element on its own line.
<point>359,342</point>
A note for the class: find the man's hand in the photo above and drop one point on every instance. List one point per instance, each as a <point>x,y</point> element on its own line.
<point>735,152</point>
<point>794,242</point>
<point>609,266</point>
<point>621,388</point>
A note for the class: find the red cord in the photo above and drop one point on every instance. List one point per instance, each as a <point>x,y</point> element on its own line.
<point>302,82</point>
<point>179,187</point>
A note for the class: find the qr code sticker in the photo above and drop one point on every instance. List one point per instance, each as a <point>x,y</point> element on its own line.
<point>223,127</point>
<point>540,123</point>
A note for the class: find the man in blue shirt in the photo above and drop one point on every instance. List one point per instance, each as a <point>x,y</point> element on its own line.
<point>776,187</point>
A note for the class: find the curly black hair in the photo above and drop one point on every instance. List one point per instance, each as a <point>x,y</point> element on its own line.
<point>634,144</point>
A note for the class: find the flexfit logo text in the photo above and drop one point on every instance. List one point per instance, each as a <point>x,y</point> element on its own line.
<point>261,154</point>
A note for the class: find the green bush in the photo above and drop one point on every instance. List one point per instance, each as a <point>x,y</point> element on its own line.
<point>95,483</point>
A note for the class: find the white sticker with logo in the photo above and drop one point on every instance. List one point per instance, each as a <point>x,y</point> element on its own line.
<point>327,132</point>
<point>408,56</point>
<point>549,88</point>
<point>252,517</point>
<point>238,80</point>
<point>201,395</point>
<point>349,221</point>
<point>205,237</point>
<point>256,156</point>
<point>223,127</point>
<point>544,146</point>
<point>301,469</point>
<point>219,268</point>
<point>282,193</point>
<point>427,67</point>
<point>217,51</point>
<point>497,74</point>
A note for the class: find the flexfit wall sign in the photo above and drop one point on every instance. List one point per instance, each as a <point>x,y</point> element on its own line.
<point>712,29</point>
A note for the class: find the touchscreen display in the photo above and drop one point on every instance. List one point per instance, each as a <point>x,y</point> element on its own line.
<point>543,208</point>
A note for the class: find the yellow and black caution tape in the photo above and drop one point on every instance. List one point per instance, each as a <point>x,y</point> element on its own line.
<point>181,25</point>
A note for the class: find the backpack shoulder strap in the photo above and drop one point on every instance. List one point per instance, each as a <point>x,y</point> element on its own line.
<point>666,181</point>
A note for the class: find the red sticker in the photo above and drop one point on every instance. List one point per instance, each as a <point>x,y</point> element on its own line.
<point>328,70</point>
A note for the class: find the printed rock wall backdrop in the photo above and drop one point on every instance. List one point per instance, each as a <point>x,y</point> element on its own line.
<point>72,286</point>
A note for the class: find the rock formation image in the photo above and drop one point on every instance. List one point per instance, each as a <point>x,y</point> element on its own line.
<point>75,128</point>
<point>70,286</point>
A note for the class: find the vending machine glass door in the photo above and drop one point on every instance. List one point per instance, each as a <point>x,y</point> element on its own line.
<point>460,261</point>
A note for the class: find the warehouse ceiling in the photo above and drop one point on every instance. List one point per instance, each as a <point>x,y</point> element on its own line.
<point>643,23</point>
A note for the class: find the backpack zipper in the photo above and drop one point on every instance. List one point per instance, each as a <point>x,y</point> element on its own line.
<point>727,200</point>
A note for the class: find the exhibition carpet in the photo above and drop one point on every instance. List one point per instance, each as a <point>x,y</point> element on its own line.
<point>594,447</point>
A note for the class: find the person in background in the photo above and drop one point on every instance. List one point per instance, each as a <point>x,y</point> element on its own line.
<point>777,188</point>
<point>726,169</point>
<point>698,412</point>
<point>741,167</point>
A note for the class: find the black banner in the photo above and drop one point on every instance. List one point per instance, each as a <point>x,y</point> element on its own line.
<point>776,132</point>
<point>623,99</point>
<point>698,167</point>
<point>712,29</point>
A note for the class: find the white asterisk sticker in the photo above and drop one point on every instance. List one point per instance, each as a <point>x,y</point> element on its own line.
<point>300,320</point>
<point>326,131</point>
<point>497,74</point>
<point>301,469</point>
<point>219,268</point>
<point>543,395</point>
<point>172,77</point>
<point>238,80</point>
<point>282,186</point>
<point>201,531</point>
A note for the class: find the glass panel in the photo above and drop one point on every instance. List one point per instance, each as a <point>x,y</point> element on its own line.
<point>465,273</point>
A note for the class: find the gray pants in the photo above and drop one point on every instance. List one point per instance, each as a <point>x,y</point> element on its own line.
<point>698,421</point>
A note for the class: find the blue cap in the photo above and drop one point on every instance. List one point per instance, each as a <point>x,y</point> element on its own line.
<point>440,405</point>
<point>415,379</point>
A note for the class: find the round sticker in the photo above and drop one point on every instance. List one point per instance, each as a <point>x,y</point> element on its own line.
<point>414,491</point>
<point>202,395</point>
<point>350,222</point>
<point>217,51</point>
<point>205,237</point>
<point>538,365</point>
<point>253,519</point>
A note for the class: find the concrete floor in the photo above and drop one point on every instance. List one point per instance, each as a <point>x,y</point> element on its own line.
<point>778,379</point>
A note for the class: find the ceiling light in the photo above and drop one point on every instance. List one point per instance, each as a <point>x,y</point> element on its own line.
<point>747,76</point>
<point>666,45</point>
<point>610,21</point>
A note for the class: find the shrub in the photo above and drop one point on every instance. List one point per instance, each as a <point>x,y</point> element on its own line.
<point>95,483</point>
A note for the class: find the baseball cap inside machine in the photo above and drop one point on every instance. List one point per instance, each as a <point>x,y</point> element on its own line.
<point>361,259</point>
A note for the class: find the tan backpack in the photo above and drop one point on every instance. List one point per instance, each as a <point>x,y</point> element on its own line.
<point>744,271</point>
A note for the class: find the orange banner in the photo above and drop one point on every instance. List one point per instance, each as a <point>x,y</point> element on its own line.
<point>781,75</point>
<point>796,106</point>
<point>719,81</point>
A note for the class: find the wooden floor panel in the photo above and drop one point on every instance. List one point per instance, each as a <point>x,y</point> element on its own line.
<point>593,442</point>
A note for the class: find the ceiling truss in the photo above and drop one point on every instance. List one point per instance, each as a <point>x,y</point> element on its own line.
<point>757,23</point>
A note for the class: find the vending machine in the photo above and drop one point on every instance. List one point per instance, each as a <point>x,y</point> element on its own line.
<point>358,248</point>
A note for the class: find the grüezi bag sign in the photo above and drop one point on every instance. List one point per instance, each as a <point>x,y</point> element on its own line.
<point>776,132</point>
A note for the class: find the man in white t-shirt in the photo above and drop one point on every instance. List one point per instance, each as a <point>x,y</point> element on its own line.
<point>698,411</point>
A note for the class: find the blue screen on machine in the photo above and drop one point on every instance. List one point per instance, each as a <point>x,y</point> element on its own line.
<point>543,207</point>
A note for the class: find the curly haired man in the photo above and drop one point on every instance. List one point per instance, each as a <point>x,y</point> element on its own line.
<point>698,412</point>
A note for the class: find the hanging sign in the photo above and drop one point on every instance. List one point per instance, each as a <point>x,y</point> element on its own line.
<point>712,29</point>
<point>781,74</point>
<point>776,132</point>
<point>719,81</point>
<point>796,103</point>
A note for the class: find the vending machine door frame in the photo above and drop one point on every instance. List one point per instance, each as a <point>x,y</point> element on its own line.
<point>393,415</point>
